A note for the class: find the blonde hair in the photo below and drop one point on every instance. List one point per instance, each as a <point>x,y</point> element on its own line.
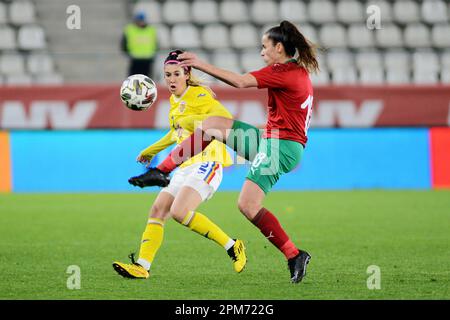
<point>195,81</point>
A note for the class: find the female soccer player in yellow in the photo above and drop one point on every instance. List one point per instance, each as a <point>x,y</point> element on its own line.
<point>194,182</point>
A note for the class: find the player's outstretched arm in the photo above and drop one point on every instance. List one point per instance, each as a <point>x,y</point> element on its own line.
<point>148,153</point>
<point>236,80</point>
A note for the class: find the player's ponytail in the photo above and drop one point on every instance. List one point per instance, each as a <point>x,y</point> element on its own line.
<point>295,42</point>
<point>195,81</point>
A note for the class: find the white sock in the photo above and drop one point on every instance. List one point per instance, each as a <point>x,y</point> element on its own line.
<point>229,244</point>
<point>144,263</point>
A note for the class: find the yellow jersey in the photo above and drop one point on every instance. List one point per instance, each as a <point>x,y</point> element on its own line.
<point>186,112</point>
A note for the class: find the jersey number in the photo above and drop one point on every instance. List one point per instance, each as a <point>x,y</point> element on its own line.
<point>308,104</point>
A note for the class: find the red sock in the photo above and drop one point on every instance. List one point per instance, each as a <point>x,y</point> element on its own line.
<point>271,228</point>
<point>189,147</point>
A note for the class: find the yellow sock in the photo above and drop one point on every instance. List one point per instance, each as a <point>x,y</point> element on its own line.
<point>202,225</point>
<point>151,241</point>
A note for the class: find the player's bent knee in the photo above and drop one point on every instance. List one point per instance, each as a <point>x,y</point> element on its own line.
<point>248,209</point>
<point>178,213</point>
<point>159,212</point>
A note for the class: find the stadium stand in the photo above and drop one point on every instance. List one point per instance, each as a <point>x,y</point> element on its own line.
<point>406,11</point>
<point>233,11</point>
<point>411,32</point>
<point>24,56</point>
<point>176,12</point>
<point>390,36</point>
<point>227,59</point>
<point>185,35</point>
<point>265,11</point>
<point>350,11</point>
<point>215,36</point>
<point>3,14</point>
<point>22,12</point>
<point>334,35</point>
<point>251,60</point>
<point>384,8</point>
<point>359,36</point>
<point>12,64</point>
<point>322,11</point>
<point>31,37</point>
<point>204,11</point>
<point>8,38</point>
<point>370,66</point>
<point>151,8</point>
<point>244,35</point>
<point>294,11</point>
<point>229,32</point>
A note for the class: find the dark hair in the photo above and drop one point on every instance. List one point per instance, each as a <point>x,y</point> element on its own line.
<point>293,42</point>
<point>194,81</point>
<point>172,58</point>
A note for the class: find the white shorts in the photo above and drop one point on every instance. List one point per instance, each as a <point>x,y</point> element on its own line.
<point>203,177</point>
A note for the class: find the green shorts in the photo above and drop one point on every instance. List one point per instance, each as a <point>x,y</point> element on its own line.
<point>270,157</point>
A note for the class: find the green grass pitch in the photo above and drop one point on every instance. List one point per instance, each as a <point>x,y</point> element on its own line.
<point>405,233</point>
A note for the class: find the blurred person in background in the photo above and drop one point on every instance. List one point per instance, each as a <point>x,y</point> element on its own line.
<point>194,182</point>
<point>140,43</point>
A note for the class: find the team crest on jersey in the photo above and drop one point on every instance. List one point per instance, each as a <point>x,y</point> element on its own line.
<point>201,95</point>
<point>182,106</point>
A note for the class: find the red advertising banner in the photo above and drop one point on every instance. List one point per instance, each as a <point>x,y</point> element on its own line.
<point>440,157</point>
<point>97,106</point>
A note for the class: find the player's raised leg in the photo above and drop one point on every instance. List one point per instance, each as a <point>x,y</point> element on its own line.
<point>213,128</point>
<point>183,211</point>
<point>240,136</point>
<point>152,238</point>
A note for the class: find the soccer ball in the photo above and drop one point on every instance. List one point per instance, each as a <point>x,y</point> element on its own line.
<point>138,92</point>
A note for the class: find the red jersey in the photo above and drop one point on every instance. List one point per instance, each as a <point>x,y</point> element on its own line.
<point>290,100</point>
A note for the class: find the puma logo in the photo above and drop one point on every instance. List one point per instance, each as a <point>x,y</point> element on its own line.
<point>270,235</point>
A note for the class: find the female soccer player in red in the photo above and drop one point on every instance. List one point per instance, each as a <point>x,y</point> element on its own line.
<point>279,148</point>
